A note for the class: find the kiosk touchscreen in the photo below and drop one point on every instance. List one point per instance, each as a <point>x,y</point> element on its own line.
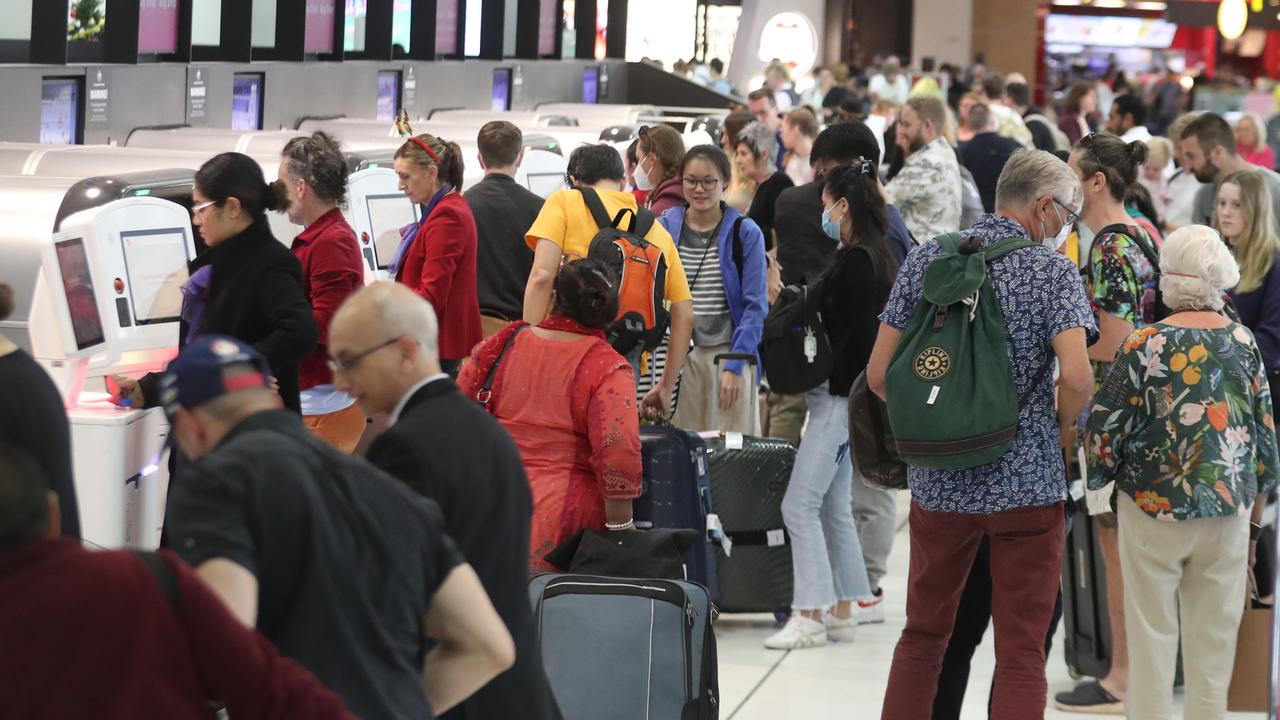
<point>542,172</point>
<point>377,210</point>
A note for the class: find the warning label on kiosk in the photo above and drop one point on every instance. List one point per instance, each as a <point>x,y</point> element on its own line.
<point>97,107</point>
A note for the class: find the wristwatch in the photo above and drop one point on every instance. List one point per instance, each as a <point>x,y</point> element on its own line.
<point>1255,531</point>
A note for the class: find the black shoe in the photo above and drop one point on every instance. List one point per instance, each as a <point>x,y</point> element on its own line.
<point>1089,698</point>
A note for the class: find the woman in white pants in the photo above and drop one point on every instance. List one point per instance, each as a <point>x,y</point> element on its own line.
<point>1183,425</point>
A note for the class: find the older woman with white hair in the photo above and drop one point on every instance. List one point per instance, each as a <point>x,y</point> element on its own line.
<point>755,152</point>
<point>1183,425</point>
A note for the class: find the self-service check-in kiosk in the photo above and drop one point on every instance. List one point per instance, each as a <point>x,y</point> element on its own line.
<point>97,267</point>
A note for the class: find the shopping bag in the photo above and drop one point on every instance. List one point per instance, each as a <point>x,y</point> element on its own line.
<point>1250,681</point>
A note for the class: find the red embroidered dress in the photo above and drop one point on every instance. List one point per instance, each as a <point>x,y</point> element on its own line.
<point>570,406</point>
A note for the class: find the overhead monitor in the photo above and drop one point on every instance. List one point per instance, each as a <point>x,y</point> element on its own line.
<point>591,85</point>
<point>80,295</point>
<point>60,111</point>
<point>246,101</point>
<point>501,89</point>
<point>543,184</point>
<point>387,214</point>
<point>156,265</point>
<point>388,95</point>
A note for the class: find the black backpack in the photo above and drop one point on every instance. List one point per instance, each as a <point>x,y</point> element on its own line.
<point>641,270</point>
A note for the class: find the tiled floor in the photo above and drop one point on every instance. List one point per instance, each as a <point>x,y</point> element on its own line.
<point>842,681</point>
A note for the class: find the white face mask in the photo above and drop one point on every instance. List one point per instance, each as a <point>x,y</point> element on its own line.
<point>643,181</point>
<point>1057,241</point>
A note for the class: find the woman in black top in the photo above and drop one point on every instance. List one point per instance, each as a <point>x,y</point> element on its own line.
<point>247,285</point>
<point>826,554</point>
<point>756,155</point>
<point>32,418</point>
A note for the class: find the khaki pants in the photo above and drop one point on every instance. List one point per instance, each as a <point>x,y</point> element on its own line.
<point>700,386</point>
<point>1192,575</point>
<point>341,429</point>
<point>786,417</point>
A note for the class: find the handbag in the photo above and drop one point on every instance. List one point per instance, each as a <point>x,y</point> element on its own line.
<point>871,438</point>
<point>1251,679</point>
<point>484,395</point>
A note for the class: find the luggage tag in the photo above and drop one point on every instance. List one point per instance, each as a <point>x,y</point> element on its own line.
<point>810,345</point>
<point>775,538</point>
<point>733,441</point>
<point>715,533</point>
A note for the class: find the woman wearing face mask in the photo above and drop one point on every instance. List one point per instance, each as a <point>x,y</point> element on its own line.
<point>658,167</point>
<point>756,149</point>
<point>1245,219</point>
<point>437,257</point>
<point>247,285</point>
<point>830,572</point>
<point>1120,282</point>
<point>727,276</point>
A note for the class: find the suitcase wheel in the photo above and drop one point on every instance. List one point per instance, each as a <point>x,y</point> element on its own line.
<point>782,616</point>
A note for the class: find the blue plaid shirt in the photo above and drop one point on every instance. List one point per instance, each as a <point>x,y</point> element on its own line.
<point>1041,295</point>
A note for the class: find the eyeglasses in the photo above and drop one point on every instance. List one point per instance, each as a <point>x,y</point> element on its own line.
<point>1072,217</point>
<point>197,209</point>
<point>346,366</point>
<point>705,183</point>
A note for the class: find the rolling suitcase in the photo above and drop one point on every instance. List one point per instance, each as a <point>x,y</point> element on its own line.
<point>676,494</point>
<point>627,649</point>
<point>749,477</point>
<point>1087,644</point>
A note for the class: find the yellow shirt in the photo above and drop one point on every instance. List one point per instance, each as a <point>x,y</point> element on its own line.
<point>566,221</point>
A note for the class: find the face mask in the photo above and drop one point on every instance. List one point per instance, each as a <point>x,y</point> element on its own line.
<point>643,181</point>
<point>829,226</point>
<point>1057,241</point>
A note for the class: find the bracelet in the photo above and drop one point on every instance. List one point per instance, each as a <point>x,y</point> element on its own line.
<point>628,525</point>
<point>1255,531</point>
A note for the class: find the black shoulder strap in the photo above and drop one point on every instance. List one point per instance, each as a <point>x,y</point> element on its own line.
<point>644,222</point>
<point>484,395</point>
<point>738,253</point>
<point>595,207</point>
<point>164,576</point>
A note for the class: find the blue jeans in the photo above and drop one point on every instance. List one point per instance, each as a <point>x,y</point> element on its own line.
<point>825,551</point>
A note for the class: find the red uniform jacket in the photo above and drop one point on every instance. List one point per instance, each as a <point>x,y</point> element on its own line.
<point>331,271</point>
<point>440,266</point>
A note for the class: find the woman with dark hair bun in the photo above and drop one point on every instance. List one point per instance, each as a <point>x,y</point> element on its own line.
<point>568,400</point>
<point>437,257</point>
<point>247,285</point>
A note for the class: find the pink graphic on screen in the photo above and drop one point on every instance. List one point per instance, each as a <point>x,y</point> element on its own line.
<point>547,27</point>
<point>319,29</point>
<point>158,26</point>
<point>447,27</point>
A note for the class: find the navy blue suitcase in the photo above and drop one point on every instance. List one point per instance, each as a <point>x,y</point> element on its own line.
<point>677,494</point>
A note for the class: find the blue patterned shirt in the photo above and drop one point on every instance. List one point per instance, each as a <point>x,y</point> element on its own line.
<point>1041,295</point>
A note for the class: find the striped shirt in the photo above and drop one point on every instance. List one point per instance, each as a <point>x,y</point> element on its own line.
<point>712,321</point>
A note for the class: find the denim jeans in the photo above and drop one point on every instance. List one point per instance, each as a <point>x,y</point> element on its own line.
<point>825,551</point>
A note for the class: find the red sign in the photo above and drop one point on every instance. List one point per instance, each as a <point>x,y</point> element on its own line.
<point>158,26</point>
<point>319,27</point>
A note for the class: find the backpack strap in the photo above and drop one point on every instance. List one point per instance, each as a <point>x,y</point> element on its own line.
<point>738,253</point>
<point>164,575</point>
<point>644,220</point>
<point>596,208</point>
<point>950,242</point>
<point>1006,246</point>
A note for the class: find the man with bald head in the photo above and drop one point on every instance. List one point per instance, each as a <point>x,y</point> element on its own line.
<point>446,447</point>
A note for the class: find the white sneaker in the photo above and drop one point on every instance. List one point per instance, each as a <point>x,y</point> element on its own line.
<point>839,631</point>
<point>870,612</point>
<point>799,632</point>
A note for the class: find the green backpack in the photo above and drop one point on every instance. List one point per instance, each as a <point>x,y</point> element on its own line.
<point>952,402</point>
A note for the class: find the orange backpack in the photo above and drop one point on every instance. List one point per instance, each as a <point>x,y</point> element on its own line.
<point>641,270</point>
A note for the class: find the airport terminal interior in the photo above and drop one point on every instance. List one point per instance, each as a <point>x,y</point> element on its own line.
<point>639,359</point>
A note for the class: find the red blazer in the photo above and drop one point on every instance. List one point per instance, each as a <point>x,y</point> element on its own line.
<point>440,266</point>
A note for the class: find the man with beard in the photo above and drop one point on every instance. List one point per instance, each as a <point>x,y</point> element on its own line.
<point>927,189</point>
<point>1209,151</point>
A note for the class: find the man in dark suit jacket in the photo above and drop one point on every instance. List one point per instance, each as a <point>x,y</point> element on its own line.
<point>445,446</point>
<point>986,154</point>
<point>504,212</point>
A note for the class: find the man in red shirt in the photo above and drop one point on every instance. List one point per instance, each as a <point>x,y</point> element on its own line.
<point>314,172</point>
<point>122,635</point>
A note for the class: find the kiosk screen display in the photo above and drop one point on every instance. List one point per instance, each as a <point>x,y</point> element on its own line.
<point>388,95</point>
<point>501,89</point>
<point>591,85</point>
<point>59,111</point>
<point>543,184</point>
<point>387,214</point>
<point>77,286</point>
<point>156,264</point>
<point>246,102</point>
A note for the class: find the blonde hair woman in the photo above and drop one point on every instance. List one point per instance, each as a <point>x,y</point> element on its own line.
<point>1251,141</point>
<point>1246,220</point>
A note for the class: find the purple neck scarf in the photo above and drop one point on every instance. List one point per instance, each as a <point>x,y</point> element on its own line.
<point>410,231</point>
<point>195,295</point>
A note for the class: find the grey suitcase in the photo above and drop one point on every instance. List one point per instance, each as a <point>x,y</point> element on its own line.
<point>627,649</point>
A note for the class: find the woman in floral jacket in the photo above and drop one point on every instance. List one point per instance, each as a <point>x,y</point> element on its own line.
<point>1183,425</point>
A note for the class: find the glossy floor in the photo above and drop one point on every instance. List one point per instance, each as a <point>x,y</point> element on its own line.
<point>844,681</point>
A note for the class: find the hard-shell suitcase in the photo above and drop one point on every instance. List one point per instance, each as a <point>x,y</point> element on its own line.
<point>750,475</point>
<point>1087,644</point>
<point>627,649</point>
<point>677,494</point>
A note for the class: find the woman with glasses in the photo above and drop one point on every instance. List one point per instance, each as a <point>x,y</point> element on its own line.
<point>1120,281</point>
<point>658,167</point>
<point>723,256</point>
<point>755,152</point>
<point>247,285</point>
<point>568,400</point>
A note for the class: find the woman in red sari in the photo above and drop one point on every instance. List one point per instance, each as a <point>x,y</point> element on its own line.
<point>568,400</point>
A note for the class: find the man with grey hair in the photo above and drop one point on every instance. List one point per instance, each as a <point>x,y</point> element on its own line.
<point>1016,502</point>
<point>313,172</point>
<point>447,448</point>
<point>985,155</point>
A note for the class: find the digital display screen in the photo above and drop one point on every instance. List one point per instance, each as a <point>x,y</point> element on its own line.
<point>388,95</point>
<point>591,85</point>
<point>82,301</point>
<point>155,262</point>
<point>543,184</point>
<point>59,111</point>
<point>446,27</point>
<point>246,102</point>
<point>501,89</point>
<point>387,214</point>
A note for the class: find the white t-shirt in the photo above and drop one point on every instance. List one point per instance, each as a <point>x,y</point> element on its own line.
<point>898,91</point>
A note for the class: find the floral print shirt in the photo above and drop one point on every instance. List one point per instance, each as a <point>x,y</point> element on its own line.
<point>1183,423</point>
<point>927,191</point>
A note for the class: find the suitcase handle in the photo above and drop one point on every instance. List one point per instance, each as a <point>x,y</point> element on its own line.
<point>749,387</point>
<point>745,357</point>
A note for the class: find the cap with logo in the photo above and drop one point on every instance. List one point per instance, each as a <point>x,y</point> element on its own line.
<point>209,368</point>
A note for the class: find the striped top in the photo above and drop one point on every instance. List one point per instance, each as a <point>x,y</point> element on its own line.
<point>712,321</point>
